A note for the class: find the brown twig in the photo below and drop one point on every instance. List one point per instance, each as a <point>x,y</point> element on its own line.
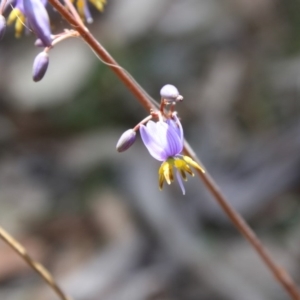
<point>17,247</point>
<point>279,273</point>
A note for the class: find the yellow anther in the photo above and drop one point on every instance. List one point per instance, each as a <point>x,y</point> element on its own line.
<point>99,4</point>
<point>191,162</point>
<point>14,14</point>
<point>80,6</point>
<point>19,26</point>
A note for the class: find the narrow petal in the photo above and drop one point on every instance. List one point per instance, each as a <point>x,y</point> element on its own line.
<point>180,182</point>
<point>87,13</point>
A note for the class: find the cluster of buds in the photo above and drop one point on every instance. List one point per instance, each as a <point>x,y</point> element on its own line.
<point>162,134</point>
<point>32,15</point>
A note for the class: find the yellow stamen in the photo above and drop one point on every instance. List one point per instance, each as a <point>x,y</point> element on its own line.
<point>16,16</point>
<point>19,26</point>
<point>80,7</point>
<point>167,168</point>
<point>15,13</point>
<point>165,172</point>
<point>99,4</point>
<point>161,177</point>
<point>193,163</point>
<point>182,165</point>
<point>183,175</point>
<point>160,181</point>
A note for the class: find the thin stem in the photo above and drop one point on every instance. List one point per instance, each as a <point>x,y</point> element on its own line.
<point>75,14</point>
<point>136,127</point>
<point>40,269</point>
<point>2,6</point>
<point>61,37</point>
<point>279,273</point>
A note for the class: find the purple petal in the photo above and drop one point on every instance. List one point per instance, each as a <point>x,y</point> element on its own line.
<point>174,138</point>
<point>158,132</point>
<point>18,4</point>
<point>154,149</point>
<point>180,182</point>
<point>174,145</point>
<point>87,13</point>
<point>177,125</point>
<point>38,20</point>
<point>162,138</point>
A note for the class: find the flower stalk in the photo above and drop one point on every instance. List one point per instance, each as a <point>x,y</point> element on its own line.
<point>278,272</point>
<point>21,251</point>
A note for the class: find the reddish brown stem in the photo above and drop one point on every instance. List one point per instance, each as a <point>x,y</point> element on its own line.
<point>279,273</point>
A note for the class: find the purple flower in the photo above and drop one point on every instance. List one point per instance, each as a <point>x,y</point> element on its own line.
<point>164,141</point>
<point>38,20</point>
<point>33,14</point>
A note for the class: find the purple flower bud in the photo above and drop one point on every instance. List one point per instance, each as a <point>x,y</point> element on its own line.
<point>126,140</point>
<point>38,20</point>
<point>40,66</point>
<point>2,26</point>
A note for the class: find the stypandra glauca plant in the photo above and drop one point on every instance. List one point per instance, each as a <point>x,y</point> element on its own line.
<point>161,131</point>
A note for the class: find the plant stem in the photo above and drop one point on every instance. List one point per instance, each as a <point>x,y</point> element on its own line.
<point>279,273</point>
<point>21,251</point>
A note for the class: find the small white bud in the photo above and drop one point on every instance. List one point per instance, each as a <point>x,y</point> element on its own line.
<point>170,92</point>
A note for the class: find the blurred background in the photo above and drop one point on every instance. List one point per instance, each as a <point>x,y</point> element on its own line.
<point>94,217</point>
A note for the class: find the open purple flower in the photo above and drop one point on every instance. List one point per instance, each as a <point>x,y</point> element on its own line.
<point>164,141</point>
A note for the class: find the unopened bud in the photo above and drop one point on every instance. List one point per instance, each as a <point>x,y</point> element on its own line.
<point>170,92</point>
<point>40,66</point>
<point>2,26</point>
<point>126,140</point>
